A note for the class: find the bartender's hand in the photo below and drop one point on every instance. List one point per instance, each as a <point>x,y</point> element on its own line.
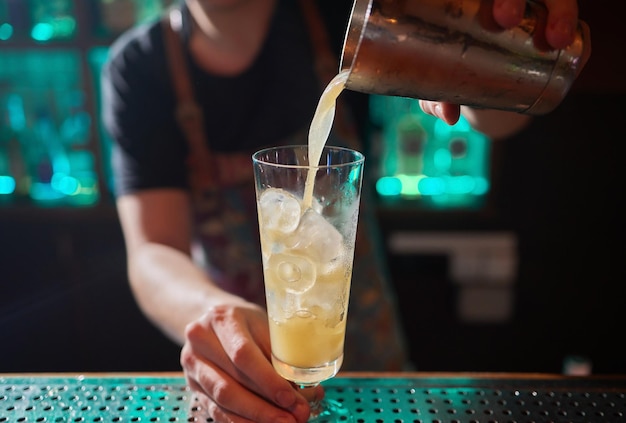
<point>226,360</point>
<point>560,32</point>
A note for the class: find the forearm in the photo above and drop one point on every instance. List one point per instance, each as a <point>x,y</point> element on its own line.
<point>171,290</point>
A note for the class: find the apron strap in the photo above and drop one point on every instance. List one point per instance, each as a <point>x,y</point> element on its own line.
<point>188,112</point>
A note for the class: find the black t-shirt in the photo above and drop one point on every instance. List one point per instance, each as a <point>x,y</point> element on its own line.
<point>273,99</point>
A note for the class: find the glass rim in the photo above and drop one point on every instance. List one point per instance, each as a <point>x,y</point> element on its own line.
<point>358,156</point>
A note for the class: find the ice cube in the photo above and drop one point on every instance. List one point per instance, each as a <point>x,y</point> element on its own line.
<point>279,211</point>
<point>316,238</point>
<point>294,273</point>
<point>281,305</point>
<point>328,302</point>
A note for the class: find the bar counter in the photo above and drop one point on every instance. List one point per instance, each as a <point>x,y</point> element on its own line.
<point>371,397</point>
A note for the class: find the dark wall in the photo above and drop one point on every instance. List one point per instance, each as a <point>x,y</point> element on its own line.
<point>563,189</point>
<point>559,186</point>
<point>65,304</point>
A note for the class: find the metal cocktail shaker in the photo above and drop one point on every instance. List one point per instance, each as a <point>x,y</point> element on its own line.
<point>453,51</point>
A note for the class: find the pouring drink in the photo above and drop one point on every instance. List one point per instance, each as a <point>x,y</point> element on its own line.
<point>308,207</point>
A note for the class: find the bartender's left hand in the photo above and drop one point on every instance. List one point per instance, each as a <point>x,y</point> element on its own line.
<point>560,33</point>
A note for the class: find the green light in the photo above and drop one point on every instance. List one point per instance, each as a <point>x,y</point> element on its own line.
<point>6,31</point>
<point>410,184</point>
<point>7,185</point>
<point>64,27</point>
<point>42,32</point>
<point>87,191</point>
<point>389,186</point>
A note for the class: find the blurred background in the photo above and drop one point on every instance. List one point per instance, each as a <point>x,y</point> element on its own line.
<point>506,255</point>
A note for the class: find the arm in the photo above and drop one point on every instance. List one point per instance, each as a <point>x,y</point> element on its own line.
<point>225,354</point>
<point>157,232</point>
<point>226,339</point>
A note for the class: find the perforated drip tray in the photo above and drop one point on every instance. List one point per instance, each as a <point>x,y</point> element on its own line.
<point>452,399</point>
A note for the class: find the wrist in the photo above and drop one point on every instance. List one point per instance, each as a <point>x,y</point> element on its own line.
<point>496,124</point>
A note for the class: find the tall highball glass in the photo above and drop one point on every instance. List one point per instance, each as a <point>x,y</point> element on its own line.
<point>308,216</point>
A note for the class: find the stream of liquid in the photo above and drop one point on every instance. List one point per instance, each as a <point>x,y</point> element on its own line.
<point>320,130</point>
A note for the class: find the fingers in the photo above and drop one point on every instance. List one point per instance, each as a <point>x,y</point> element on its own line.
<point>508,13</point>
<point>222,360</point>
<point>447,112</point>
<point>562,18</point>
<point>250,362</point>
<point>227,401</point>
<point>562,22</point>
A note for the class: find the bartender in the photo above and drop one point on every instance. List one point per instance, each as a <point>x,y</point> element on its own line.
<point>252,70</point>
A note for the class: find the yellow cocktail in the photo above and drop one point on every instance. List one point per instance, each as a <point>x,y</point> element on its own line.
<point>307,255</point>
<point>307,345</point>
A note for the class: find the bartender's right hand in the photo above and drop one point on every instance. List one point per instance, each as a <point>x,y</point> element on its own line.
<point>226,361</point>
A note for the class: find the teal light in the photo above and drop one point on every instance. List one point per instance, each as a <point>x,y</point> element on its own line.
<point>481,186</point>
<point>442,159</point>
<point>460,184</point>
<point>65,184</point>
<point>453,170</point>
<point>7,185</point>
<point>41,191</point>
<point>453,185</point>
<point>96,57</point>
<point>6,31</point>
<point>55,28</point>
<point>431,186</point>
<point>443,130</point>
<point>42,32</point>
<point>355,173</point>
<point>389,186</point>
<point>462,125</point>
<point>15,108</point>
